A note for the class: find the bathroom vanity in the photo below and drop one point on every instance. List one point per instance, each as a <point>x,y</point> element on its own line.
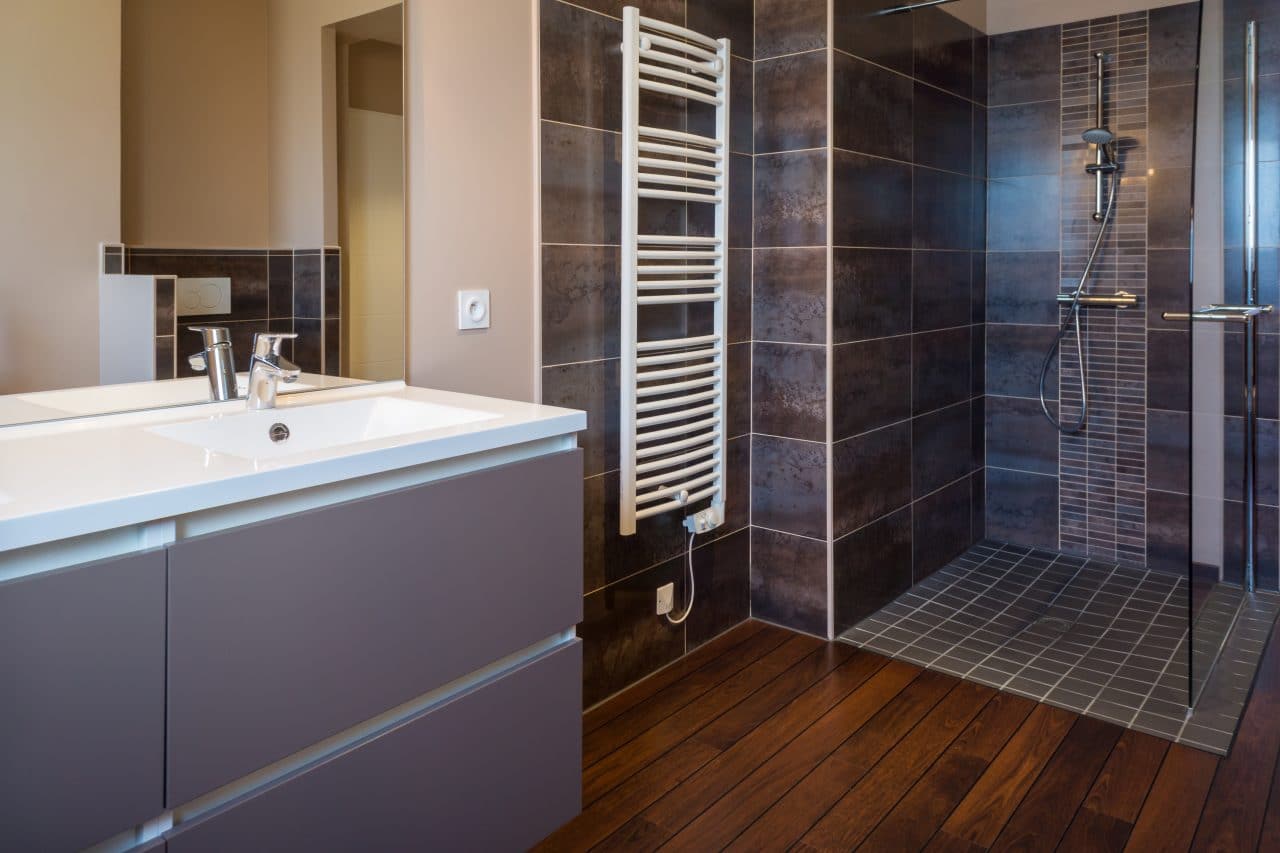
<point>360,636</point>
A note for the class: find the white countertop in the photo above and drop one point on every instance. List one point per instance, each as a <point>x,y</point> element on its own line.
<point>92,474</point>
<point>135,396</point>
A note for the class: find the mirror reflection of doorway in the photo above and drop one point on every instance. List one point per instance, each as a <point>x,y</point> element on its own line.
<point>369,160</point>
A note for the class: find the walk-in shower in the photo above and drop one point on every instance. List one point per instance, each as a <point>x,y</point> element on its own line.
<point>1125,551</point>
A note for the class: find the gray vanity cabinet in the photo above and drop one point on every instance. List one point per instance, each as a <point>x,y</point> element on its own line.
<point>81,702</point>
<point>495,768</point>
<point>286,632</point>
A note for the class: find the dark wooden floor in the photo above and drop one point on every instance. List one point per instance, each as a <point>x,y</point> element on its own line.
<point>768,740</point>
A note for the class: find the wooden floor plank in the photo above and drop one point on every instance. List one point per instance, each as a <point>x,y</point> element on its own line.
<point>1107,815</point>
<point>984,811</point>
<point>633,722</point>
<point>596,716</point>
<point>770,740</point>
<point>915,819</point>
<point>1045,813</point>
<point>1237,804</point>
<point>1169,816</point>
<point>862,807</point>
<point>635,754</point>
<point>788,819</point>
<point>625,802</point>
<point>736,810</point>
<point>686,801</point>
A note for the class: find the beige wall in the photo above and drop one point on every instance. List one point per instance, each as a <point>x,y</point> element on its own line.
<point>297,173</point>
<point>472,178</point>
<point>59,186</point>
<point>194,123</point>
<point>1005,16</point>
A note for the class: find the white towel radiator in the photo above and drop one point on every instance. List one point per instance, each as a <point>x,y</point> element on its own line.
<point>673,391</point>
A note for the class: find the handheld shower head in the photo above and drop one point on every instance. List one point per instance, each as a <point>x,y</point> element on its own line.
<point>1099,136</point>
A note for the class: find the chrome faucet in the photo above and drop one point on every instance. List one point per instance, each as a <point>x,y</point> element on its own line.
<point>217,359</point>
<point>268,367</point>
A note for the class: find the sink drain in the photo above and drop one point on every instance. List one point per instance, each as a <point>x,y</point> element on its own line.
<point>278,432</point>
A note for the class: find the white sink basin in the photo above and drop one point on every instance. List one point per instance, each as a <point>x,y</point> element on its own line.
<point>322,426</point>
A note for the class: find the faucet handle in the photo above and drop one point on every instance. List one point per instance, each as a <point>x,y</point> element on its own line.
<point>268,343</point>
<point>213,335</point>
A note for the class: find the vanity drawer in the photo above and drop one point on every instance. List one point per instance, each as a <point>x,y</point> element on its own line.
<point>286,632</point>
<point>82,707</point>
<point>496,768</point>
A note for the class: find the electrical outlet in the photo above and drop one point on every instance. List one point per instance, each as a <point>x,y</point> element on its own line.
<point>666,598</point>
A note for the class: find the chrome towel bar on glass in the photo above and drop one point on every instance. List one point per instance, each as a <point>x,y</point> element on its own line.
<point>1220,313</point>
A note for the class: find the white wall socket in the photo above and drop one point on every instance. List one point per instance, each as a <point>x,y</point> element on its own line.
<point>473,309</point>
<point>666,598</point>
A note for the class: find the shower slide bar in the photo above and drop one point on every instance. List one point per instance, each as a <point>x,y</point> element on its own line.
<point>673,390</point>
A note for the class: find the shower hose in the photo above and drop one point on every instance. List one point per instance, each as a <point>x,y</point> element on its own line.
<point>1073,321</point>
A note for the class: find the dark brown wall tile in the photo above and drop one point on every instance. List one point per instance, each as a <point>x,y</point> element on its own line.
<point>871,476</point>
<point>791,102</point>
<point>731,19</point>
<point>885,40</point>
<point>943,46</point>
<point>592,387</point>
<point>1019,436</point>
<point>789,390</point>
<point>1022,508</point>
<point>940,369</point>
<point>722,572</point>
<point>790,295</point>
<point>940,290</point>
<point>872,293</point>
<point>622,639</point>
<point>580,185</point>
<point>581,66</point>
<point>872,382</point>
<point>789,26</point>
<point>941,449</point>
<point>789,485</point>
<point>1024,139</point>
<point>872,567</point>
<point>307,285</point>
<point>872,203</point>
<point>943,130</point>
<point>1173,44</point>
<point>942,528</point>
<point>789,581</point>
<point>872,110</point>
<point>791,199</point>
<point>1024,66</point>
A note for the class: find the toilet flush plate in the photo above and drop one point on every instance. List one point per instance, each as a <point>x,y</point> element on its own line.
<point>200,296</point>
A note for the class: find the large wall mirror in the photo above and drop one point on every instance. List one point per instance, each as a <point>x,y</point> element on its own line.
<point>180,163</point>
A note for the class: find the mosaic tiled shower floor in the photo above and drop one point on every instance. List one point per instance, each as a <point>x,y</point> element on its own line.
<point>1099,639</point>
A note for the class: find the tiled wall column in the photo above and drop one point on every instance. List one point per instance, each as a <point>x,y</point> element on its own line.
<point>580,86</point>
<point>789,445</point>
<point>908,169</point>
<point>1023,269</point>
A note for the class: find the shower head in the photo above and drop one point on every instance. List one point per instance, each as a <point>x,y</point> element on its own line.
<point>1099,136</point>
<point>909,7</point>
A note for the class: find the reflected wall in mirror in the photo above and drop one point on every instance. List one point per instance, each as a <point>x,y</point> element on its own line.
<point>235,163</point>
